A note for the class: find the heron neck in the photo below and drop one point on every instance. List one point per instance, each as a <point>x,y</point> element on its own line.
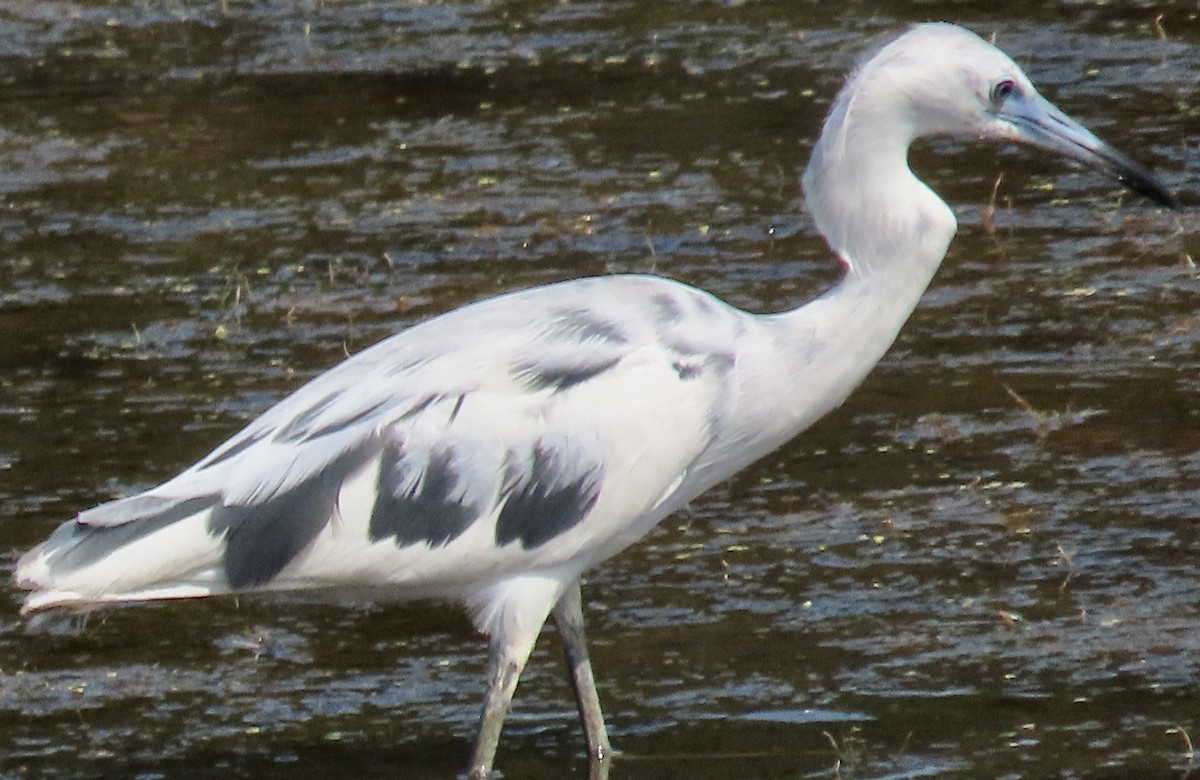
<point>891,231</point>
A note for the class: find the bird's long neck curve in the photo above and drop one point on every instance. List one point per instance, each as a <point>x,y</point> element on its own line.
<point>876,215</point>
<point>891,232</point>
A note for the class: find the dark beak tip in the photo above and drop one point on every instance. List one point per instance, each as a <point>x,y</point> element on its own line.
<point>1164,198</point>
<point>1150,187</point>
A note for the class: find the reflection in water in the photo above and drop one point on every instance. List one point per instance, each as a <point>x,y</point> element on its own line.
<point>202,208</point>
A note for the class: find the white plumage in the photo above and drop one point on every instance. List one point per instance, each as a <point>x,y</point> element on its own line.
<point>493,454</point>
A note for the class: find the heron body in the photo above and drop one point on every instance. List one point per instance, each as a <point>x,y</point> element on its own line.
<point>492,455</point>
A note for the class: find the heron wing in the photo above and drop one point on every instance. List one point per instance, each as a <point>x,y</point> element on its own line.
<point>485,432</point>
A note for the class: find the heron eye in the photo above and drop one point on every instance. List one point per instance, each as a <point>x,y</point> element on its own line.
<point>1003,90</point>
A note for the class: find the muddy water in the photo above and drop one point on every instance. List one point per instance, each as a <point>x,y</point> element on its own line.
<point>984,564</point>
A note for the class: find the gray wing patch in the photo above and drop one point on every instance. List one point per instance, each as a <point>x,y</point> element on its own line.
<point>261,539</point>
<point>581,325</point>
<point>577,345</point>
<point>81,542</point>
<point>668,310</point>
<point>687,370</point>
<point>144,507</point>
<point>562,374</point>
<point>548,492</point>
<point>419,500</point>
<point>299,426</point>
<point>301,429</point>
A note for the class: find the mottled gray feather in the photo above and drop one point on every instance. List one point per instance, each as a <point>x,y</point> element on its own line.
<point>548,492</point>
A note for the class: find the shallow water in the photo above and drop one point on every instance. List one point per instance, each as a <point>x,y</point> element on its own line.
<point>984,564</point>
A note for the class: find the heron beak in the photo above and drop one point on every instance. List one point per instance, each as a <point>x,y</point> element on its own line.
<point>1037,121</point>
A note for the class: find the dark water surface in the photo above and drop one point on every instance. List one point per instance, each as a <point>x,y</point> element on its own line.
<point>986,564</point>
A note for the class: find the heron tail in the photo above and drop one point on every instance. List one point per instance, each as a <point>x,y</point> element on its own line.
<point>141,548</point>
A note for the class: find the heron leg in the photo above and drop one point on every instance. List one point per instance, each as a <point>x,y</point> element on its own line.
<point>506,662</point>
<point>568,618</point>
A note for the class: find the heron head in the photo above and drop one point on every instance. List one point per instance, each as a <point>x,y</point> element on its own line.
<point>955,83</point>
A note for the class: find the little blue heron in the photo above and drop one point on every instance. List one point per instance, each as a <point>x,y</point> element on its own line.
<point>492,455</point>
